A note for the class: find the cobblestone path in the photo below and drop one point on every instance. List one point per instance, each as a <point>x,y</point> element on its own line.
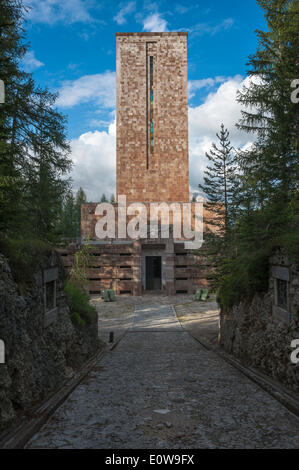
<point>159,388</point>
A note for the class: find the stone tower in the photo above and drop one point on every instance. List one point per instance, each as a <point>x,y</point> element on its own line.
<point>152,117</point>
<point>152,166</point>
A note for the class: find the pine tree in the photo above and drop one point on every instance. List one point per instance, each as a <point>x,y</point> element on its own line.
<point>34,152</point>
<point>12,51</point>
<point>267,197</point>
<point>219,181</point>
<point>46,166</point>
<point>80,199</point>
<point>268,110</point>
<point>69,217</point>
<point>112,198</point>
<point>103,198</point>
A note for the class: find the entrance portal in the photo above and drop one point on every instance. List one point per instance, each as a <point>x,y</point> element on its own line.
<point>153,272</point>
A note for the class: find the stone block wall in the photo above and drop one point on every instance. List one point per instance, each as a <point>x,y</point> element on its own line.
<point>121,266</point>
<point>89,218</point>
<point>41,351</point>
<point>114,266</point>
<point>157,172</point>
<point>259,334</point>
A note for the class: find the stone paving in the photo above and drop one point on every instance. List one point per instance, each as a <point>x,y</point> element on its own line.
<point>118,316</point>
<point>159,388</point>
<point>200,319</point>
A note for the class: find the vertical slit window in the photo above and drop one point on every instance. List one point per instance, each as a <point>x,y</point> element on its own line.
<point>150,126</point>
<point>151,104</point>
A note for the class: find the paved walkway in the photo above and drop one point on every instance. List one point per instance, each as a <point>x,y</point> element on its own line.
<point>159,388</point>
<point>200,319</point>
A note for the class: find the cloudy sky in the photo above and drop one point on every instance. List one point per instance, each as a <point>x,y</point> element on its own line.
<point>73,52</point>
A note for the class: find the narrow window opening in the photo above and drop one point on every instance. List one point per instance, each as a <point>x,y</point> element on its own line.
<point>152,104</point>
<point>150,127</point>
<point>282,293</point>
<point>50,295</point>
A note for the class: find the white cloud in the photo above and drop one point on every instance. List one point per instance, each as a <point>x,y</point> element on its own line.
<point>53,11</point>
<point>93,154</point>
<point>208,28</point>
<point>30,62</point>
<point>125,10</point>
<point>194,85</point>
<point>205,120</point>
<point>98,88</point>
<point>154,23</point>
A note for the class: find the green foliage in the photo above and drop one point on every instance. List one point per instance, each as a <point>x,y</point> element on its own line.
<point>77,320</point>
<point>34,151</point>
<point>240,278</point>
<point>272,163</point>
<point>69,224</point>
<point>82,262</point>
<point>24,256</point>
<point>79,304</point>
<point>77,297</point>
<point>219,181</point>
<point>266,202</point>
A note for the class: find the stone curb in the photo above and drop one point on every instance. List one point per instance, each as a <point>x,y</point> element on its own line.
<point>24,431</point>
<point>276,390</point>
<point>27,427</point>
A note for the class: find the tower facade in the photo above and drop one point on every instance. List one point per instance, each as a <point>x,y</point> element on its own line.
<point>152,166</point>
<point>152,117</point>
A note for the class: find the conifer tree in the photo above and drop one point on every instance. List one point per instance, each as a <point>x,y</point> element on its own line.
<point>267,197</point>
<point>268,111</point>
<point>219,181</point>
<point>46,165</point>
<point>69,216</point>
<point>12,51</point>
<point>80,199</point>
<point>34,152</point>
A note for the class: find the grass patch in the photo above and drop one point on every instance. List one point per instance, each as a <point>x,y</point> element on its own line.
<point>82,313</point>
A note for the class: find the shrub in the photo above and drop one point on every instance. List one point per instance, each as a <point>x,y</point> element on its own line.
<point>83,260</point>
<point>77,320</point>
<point>79,303</point>
<point>24,256</point>
<point>241,278</point>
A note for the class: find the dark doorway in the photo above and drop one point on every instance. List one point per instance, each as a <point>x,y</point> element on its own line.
<point>153,272</point>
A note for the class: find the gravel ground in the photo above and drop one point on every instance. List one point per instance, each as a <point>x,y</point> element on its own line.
<point>159,388</point>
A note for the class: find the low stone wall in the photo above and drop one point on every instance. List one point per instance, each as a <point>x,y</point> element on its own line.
<point>260,332</point>
<point>40,351</point>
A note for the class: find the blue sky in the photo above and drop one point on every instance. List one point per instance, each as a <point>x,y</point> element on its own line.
<point>73,52</point>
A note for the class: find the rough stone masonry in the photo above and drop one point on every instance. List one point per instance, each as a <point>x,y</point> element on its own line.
<point>152,116</point>
<point>152,166</point>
